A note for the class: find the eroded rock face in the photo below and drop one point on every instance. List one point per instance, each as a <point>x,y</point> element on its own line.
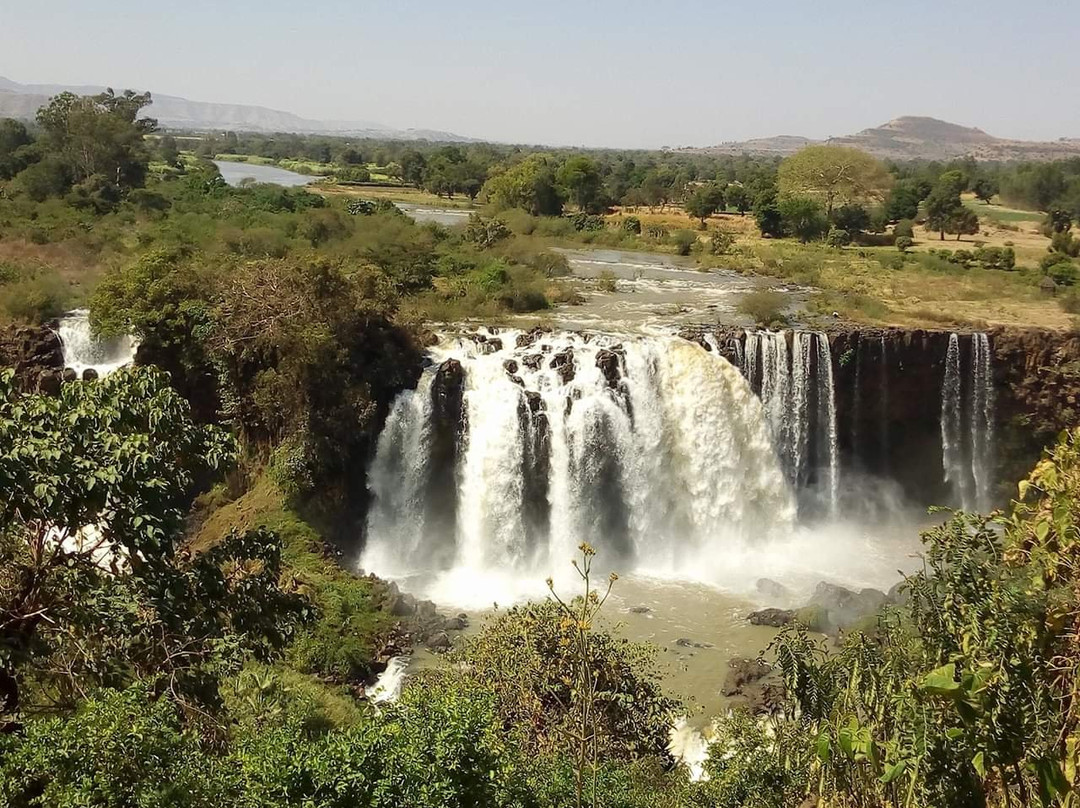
<point>448,428</point>
<point>36,354</point>
<point>610,366</point>
<point>563,364</point>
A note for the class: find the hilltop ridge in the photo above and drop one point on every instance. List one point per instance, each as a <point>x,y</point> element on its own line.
<point>914,137</point>
<point>173,112</point>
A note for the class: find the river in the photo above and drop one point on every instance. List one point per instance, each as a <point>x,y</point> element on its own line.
<point>235,173</point>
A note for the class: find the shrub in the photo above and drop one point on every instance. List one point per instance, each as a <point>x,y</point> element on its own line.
<point>721,242</point>
<point>256,242</point>
<point>120,749</point>
<point>552,264</point>
<point>360,207</point>
<point>903,243</point>
<point>1064,243</point>
<point>765,307</point>
<point>484,232</point>
<point>683,240</point>
<point>1064,273</point>
<point>519,221</point>
<point>531,688</point>
<point>632,224</point>
<point>587,222</point>
<point>606,281</point>
<point>904,227</point>
<point>1003,258</point>
<point>837,237</point>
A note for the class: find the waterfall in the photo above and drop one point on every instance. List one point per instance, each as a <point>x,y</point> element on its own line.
<point>967,445</point>
<point>82,350</point>
<point>798,394</point>
<point>981,420</point>
<point>826,401</point>
<point>951,449</point>
<point>653,450</point>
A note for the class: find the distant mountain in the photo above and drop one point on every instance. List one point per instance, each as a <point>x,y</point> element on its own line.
<point>915,138</point>
<point>23,101</point>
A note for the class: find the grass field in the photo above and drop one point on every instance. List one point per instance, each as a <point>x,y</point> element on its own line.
<point>395,193</point>
<point>1000,213</point>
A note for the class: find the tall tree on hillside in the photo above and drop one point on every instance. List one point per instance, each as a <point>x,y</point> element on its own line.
<point>833,175</point>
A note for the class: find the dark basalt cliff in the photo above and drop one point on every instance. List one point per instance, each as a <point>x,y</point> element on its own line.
<point>36,354</point>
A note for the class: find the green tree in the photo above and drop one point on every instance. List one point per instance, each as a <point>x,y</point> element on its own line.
<point>581,180</point>
<point>985,188</point>
<point>903,200</point>
<point>14,143</point>
<point>102,471</point>
<point>942,206</point>
<point>963,222</point>
<point>704,202</point>
<point>529,185</point>
<point>738,197</point>
<point>168,152</point>
<point>413,165</point>
<point>99,135</point>
<point>769,219</point>
<point>852,217</point>
<point>803,218</point>
<point>834,175</point>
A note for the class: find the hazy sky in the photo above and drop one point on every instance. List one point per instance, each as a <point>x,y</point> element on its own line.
<point>589,72</point>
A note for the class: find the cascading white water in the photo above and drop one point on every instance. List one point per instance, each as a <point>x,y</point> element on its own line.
<point>967,447</point>
<point>981,419</point>
<point>82,350</point>
<point>826,401</point>
<point>653,450</point>
<point>951,436</point>
<point>798,394</point>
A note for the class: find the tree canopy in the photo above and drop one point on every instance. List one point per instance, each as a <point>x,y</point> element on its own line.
<point>834,175</point>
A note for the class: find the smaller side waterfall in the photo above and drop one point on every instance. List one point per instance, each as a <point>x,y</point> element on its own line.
<point>83,351</point>
<point>967,432</point>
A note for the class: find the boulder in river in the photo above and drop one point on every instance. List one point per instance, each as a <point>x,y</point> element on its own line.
<point>771,617</point>
<point>754,685</point>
